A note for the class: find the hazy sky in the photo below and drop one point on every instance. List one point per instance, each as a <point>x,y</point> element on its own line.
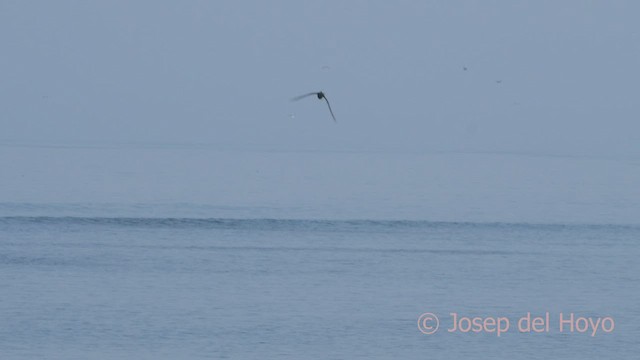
<point>553,77</point>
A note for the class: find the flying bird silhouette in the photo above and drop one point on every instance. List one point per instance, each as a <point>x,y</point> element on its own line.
<point>320,96</point>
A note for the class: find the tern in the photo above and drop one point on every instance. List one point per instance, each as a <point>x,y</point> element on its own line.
<point>320,96</point>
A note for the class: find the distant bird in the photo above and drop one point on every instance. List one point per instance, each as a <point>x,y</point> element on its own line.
<point>320,96</point>
<point>464,68</point>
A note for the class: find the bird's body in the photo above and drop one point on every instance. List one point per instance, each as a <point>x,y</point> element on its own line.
<point>320,95</point>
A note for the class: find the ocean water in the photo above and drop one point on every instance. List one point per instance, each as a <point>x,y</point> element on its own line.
<point>166,288</point>
<point>196,252</point>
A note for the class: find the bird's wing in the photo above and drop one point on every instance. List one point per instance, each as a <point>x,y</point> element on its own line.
<point>303,96</point>
<point>331,111</point>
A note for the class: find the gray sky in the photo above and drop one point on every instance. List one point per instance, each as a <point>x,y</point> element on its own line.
<point>222,72</point>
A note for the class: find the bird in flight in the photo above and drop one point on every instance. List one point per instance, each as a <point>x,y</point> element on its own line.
<point>320,96</point>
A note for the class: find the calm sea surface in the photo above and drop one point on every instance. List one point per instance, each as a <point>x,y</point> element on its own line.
<point>165,288</point>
